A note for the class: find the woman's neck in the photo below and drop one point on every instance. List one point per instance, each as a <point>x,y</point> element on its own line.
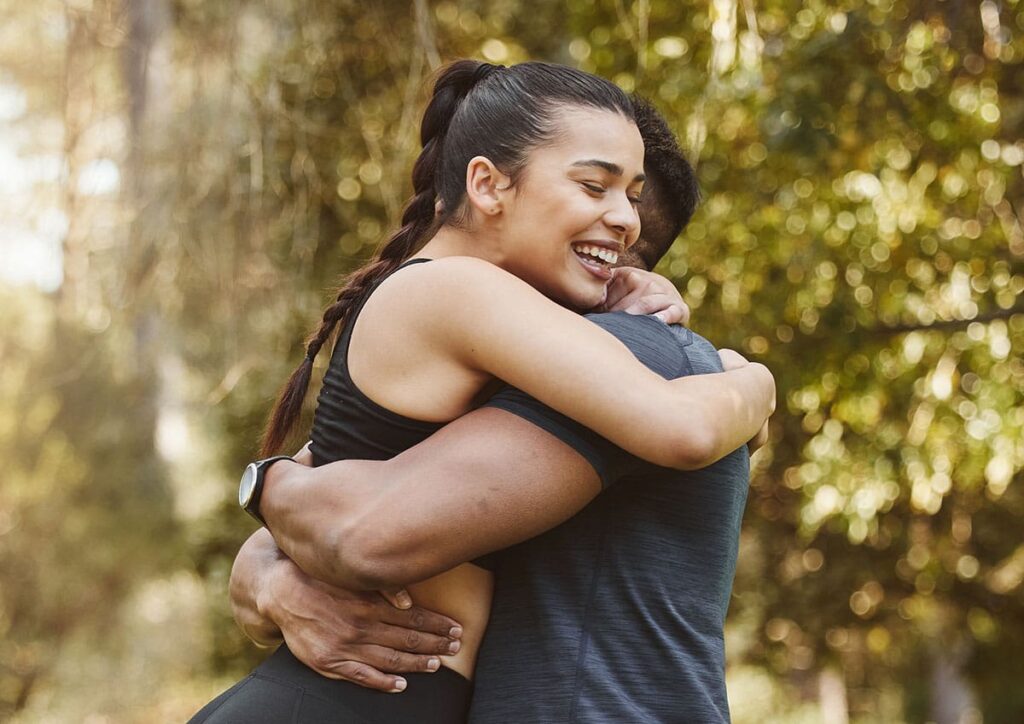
<point>450,241</point>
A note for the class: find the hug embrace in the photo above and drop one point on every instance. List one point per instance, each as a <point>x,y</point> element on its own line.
<point>522,497</point>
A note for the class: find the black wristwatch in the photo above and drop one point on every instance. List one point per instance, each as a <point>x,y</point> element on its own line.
<point>250,488</point>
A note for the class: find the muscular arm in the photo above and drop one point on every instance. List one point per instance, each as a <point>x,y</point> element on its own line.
<point>483,482</point>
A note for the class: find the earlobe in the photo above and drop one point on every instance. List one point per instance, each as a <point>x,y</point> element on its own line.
<point>484,186</point>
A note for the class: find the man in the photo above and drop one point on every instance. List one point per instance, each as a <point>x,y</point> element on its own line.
<point>615,615</point>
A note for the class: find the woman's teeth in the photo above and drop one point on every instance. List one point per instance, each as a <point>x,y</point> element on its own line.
<point>606,255</point>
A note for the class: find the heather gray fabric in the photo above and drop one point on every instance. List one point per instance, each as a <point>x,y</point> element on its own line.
<point>617,615</point>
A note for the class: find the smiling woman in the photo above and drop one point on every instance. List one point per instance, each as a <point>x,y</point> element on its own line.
<point>573,210</point>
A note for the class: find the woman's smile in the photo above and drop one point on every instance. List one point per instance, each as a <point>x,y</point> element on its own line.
<point>598,258</point>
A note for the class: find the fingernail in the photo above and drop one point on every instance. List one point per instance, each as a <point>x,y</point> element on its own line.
<point>454,646</point>
<point>433,664</point>
<point>403,599</point>
<point>400,685</point>
<point>455,632</point>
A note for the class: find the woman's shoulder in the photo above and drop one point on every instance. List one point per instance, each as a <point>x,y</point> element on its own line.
<point>459,270</point>
<point>459,280</point>
<point>456,302</point>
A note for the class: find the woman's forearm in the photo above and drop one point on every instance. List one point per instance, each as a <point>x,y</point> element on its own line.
<point>726,410</point>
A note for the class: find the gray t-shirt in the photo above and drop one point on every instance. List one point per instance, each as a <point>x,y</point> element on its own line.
<point>617,614</point>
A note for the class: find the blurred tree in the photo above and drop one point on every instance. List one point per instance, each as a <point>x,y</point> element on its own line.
<point>84,505</point>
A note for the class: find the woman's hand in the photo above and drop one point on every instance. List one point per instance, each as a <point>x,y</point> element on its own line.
<point>731,360</point>
<point>636,291</point>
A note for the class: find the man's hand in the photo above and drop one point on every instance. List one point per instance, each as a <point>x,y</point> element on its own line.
<point>355,636</point>
<point>637,291</point>
<point>731,359</point>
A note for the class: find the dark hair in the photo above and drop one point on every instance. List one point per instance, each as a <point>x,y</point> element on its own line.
<point>671,194</point>
<point>477,109</point>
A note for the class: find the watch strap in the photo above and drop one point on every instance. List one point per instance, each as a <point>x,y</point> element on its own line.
<point>262,466</point>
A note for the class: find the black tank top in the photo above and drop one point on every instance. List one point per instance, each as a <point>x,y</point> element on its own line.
<point>348,424</point>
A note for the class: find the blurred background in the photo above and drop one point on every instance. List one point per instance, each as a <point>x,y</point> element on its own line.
<point>182,181</point>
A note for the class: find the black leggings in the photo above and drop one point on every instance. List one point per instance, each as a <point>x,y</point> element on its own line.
<point>283,690</point>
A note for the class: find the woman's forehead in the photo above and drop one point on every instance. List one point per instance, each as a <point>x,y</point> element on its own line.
<point>596,134</point>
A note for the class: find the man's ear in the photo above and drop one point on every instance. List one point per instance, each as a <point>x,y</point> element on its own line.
<point>485,185</point>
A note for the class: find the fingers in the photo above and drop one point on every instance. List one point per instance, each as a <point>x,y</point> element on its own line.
<point>346,662</point>
<point>731,359</point>
<point>364,675</point>
<point>671,315</point>
<point>400,599</point>
<point>635,291</point>
<point>627,286</point>
<point>678,313</point>
<point>412,641</point>
<point>759,440</point>
<point>617,288</point>
<point>420,619</point>
<point>398,662</point>
<point>304,456</point>
<point>371,666</point>
<point>651,303</point>
<point>666,307</point>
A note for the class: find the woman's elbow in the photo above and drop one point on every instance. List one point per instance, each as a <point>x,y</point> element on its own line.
<point>691,448</point>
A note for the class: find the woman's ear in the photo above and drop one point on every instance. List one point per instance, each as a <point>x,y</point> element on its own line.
<point>484,186</point>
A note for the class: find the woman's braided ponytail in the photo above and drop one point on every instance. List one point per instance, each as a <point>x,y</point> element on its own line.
<point>418,219</point>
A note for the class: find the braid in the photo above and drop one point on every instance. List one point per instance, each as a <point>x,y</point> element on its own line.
<point>418,219</point>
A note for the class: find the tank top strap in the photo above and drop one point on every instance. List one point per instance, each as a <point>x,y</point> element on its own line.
<point>408,262</point>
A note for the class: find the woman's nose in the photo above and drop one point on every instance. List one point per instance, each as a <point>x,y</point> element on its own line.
<point>624,218</point>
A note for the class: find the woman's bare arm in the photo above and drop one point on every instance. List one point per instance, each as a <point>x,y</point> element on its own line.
<point>497,324</point>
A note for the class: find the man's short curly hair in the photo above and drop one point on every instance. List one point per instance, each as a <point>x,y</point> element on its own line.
<point>671,194</point>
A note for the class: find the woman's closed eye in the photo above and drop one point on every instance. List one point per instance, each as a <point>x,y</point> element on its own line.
<point>599,190</point>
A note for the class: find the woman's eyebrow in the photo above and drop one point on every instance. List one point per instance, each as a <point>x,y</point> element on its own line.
<point>612,168</point>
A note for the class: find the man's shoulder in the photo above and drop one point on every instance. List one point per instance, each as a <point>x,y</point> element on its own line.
<point>669,349</point>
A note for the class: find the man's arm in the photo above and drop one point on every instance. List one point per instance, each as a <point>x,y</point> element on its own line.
<point>483,482</point>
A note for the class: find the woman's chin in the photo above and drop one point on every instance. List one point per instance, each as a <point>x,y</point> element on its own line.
<point>579,292</point>
<point>587,299</point>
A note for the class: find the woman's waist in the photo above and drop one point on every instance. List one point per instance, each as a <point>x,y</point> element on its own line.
<point>464,593</point>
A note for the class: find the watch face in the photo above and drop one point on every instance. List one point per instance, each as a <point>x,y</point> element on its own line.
<point>247,484</point>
